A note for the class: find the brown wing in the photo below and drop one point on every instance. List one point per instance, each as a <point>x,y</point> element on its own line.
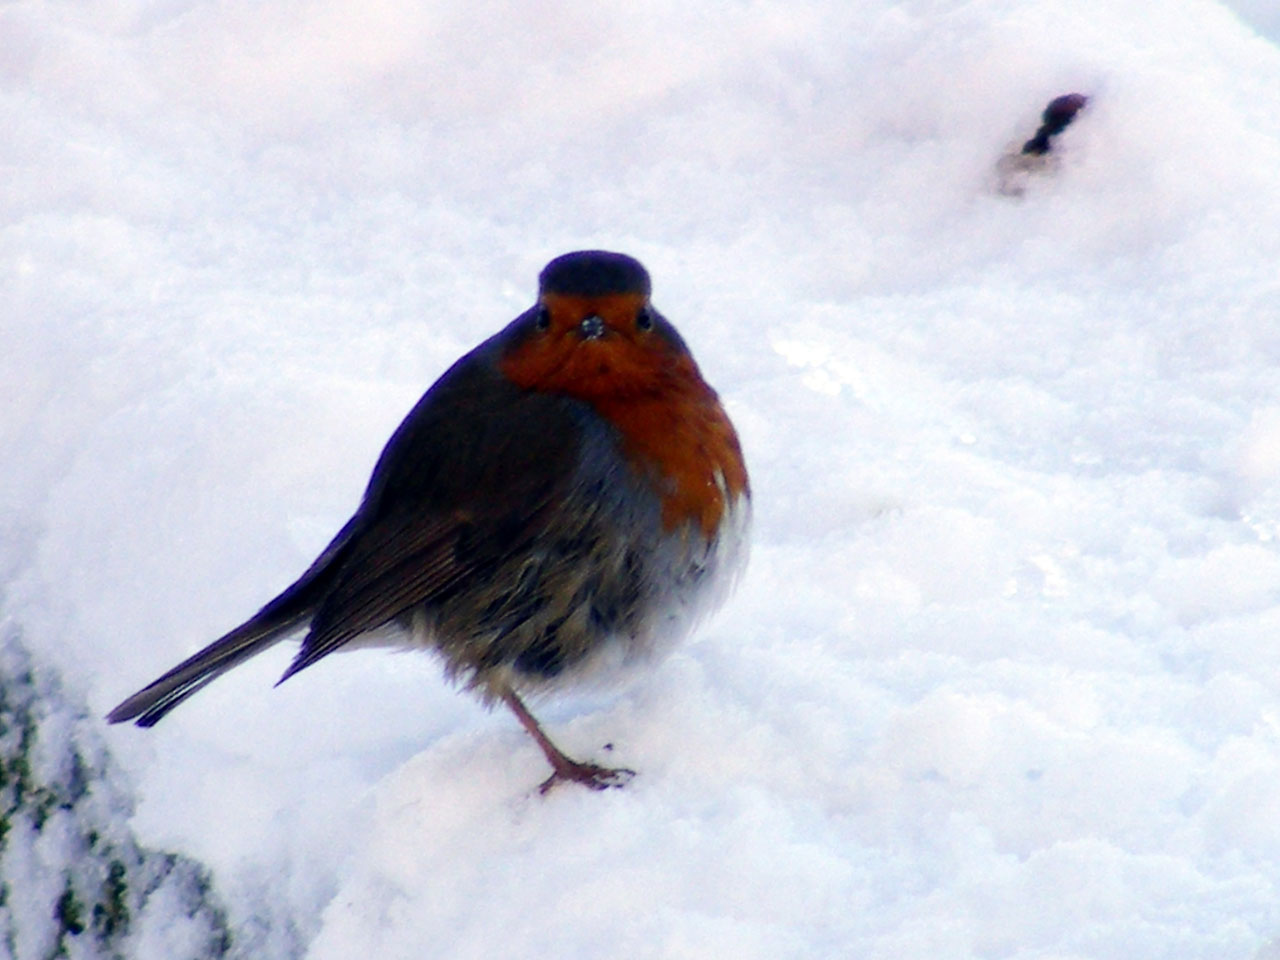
<point>464,483</point>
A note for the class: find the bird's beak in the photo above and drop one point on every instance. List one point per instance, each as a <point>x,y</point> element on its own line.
<point>592,328</point>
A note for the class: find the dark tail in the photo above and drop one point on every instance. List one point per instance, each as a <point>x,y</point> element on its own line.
<point>290,610</point>
<point>156,699</point>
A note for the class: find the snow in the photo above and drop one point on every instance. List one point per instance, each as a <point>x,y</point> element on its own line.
<point>1002,678</point>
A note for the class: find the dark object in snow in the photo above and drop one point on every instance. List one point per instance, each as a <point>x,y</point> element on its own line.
<point>1016,166</point>
<point>1057,117</point>
<point>566,497</point>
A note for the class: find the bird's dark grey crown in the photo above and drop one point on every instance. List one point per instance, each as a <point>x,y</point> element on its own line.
<point>594,273</point>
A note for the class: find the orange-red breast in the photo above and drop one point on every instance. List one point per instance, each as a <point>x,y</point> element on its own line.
<point>569,495</point>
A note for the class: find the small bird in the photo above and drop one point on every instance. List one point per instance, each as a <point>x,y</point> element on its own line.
<point>568,496</point>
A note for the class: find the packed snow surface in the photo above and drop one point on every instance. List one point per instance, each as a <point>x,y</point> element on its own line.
<point>1002,679</point>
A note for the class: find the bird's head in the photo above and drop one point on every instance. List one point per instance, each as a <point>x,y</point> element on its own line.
<point>593,333</point>
<point>593,336</point>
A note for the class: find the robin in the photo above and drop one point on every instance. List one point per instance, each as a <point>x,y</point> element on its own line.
<point>568,496</point>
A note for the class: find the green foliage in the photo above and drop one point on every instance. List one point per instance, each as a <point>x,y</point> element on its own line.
<point>108,879</point>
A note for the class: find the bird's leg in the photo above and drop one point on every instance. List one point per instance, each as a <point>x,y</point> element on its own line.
<point>564,767</point>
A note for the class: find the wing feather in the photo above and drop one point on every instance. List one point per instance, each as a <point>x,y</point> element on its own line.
<point>446,505</point>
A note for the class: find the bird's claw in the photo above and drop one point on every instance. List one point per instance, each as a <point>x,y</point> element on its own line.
<point>589,775</point>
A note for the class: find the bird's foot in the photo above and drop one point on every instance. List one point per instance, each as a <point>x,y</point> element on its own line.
<point>588,774</point>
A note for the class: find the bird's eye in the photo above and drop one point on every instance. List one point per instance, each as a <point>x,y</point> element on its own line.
<point>644,319</point>
<point>543,319</point>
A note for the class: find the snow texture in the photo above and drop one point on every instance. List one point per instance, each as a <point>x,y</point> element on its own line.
<point>1003,677</point>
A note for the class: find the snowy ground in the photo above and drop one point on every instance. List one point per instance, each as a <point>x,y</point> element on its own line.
<point>1003,678</point>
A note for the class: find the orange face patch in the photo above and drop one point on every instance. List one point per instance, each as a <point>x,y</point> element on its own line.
<point>650,389</point>
<point>560,360</point>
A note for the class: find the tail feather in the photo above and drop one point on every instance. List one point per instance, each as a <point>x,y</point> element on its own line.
<point>153,701</point>
<point>286,613</point>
